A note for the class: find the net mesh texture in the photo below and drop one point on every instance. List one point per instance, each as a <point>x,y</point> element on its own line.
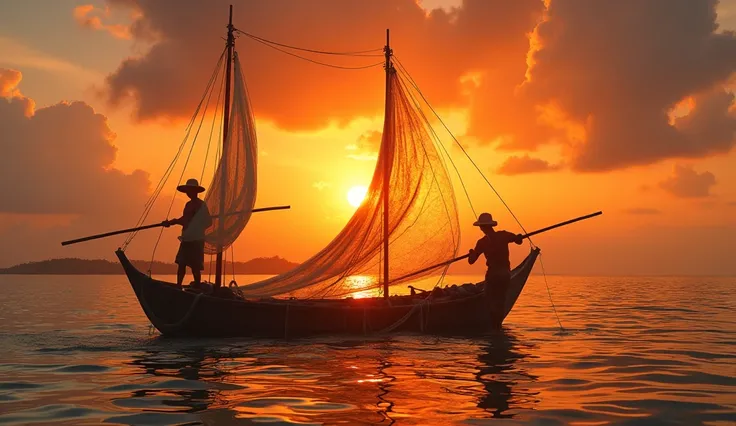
<point>423,218</point>
<point>237,186</point>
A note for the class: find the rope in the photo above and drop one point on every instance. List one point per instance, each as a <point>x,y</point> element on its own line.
<point>214,121</point>
<point>354,53</point>
<point>439,142</point>
<point>318,62</point>
<point>164,178</point>
<point>169,327</point>
<point>189,155</point>
<point>416,87</point>
<point>549,293</point>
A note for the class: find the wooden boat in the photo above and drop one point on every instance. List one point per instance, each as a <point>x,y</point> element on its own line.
<point>191,313</point>
<point>406,228</point>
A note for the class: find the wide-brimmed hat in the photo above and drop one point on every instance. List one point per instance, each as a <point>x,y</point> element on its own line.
<point>191,186</point>
<point>485,219</point>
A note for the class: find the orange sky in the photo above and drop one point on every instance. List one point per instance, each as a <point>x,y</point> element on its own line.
<point>663,212</point>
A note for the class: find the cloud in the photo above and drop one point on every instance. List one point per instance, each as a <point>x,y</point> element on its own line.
<point>585,75</point>
<point>438,46</point>
<point>90,17</point>
<point>687,183</point>
<point>643,211</point>
<point>366,147</point>
<point>60,182</point>
<point>525,164</point>
<point>59,160</point>
<point>18,55</point>
<point>613,71</point>
<point>9,80</point>
<point>321,185</point>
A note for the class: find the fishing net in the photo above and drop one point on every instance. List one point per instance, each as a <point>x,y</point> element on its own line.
<point>233,192</point>
<point>423,221</point>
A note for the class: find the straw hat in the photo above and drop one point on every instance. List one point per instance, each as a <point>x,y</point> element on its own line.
<point>191,186</point>
<point>485,219</point>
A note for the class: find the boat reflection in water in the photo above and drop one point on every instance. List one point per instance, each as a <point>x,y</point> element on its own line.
<point>438,380</point>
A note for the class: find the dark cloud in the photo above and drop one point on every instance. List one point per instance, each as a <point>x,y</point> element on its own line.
<point>599,77</point>
<point>59,182</point>
<point>58,160</point>
<point>643,211</point>
<point>438,49</point>
<point>612,71</point>
<point>525,164</point>
<point>688,183</point>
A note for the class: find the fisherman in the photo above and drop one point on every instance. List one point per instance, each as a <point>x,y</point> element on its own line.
<point>194,221</point>
<point>495,246</point>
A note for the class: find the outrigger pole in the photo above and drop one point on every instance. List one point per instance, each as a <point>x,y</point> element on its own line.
<point>156,225</point>
<point>538,231</point>
<point>223,162</point>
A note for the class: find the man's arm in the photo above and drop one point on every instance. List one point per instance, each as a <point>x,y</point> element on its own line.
<point>474,253</point>
<point>515,238</point>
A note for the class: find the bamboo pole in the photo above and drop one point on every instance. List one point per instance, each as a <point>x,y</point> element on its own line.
<point>156,225</point>
<point>538,231</point>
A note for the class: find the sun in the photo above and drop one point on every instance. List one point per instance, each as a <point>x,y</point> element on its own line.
<point>356,195</point>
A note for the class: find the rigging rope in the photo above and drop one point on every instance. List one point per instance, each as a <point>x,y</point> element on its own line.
<point>189,155</point>
<point>549,293</point>
<point>164,178</point>
<point>214,121</point>
<point>318,62</point>
<point>441,145</point>
<point>416,87</point>
<point>323,52</point>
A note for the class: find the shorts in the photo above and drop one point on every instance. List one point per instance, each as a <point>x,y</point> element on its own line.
<point>191,254</point>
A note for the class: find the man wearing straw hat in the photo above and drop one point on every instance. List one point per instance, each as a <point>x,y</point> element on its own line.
<point>495,246</point>
<point>194,221</point>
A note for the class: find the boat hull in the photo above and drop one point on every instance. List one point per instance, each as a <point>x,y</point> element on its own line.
<point>184,313</point>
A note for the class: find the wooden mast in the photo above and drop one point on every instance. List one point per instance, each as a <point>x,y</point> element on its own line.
<point>223,161</point>
<point>387,133</point>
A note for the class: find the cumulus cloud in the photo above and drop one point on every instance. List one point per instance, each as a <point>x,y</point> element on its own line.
<point>438,47</point>
<point>688,183</point>
<point>90,17</point>
<point>599,77</point>
<point>59,160</point>
<point>9,80</point>
<point>613,71</point>
<point>59,179</point>
<point>515,165</point>
<point>366,147</point>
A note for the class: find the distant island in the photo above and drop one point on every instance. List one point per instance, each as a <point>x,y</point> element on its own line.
<point>73,266</point>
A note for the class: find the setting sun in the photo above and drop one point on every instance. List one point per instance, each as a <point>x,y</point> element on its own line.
<point>356,195</point>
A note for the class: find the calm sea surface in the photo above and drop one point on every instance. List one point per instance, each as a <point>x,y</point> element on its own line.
<point>644,351</point>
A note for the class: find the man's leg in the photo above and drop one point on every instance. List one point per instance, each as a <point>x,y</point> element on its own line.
<point>180,274</point>
<point>197,274</point>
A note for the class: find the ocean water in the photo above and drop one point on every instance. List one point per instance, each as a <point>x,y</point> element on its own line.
<point>633,351</point>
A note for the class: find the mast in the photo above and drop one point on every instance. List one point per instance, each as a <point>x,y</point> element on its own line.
<point>223,162</point>
<point>387,132</point>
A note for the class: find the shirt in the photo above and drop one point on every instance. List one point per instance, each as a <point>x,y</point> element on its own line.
<point>495,246</point>
<point>195,220</point>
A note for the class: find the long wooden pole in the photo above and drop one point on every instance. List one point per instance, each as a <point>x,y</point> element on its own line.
<point>156,225</point>
<point>538,231</point>
<point>387,134</point>
<point>223,160</point>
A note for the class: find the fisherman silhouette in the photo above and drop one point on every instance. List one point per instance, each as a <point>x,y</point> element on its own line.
<point>495,246</point>
<point>194,221</point>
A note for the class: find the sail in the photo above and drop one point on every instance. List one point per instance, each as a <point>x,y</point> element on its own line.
<point>237,184</point>
<point>423,220</point>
